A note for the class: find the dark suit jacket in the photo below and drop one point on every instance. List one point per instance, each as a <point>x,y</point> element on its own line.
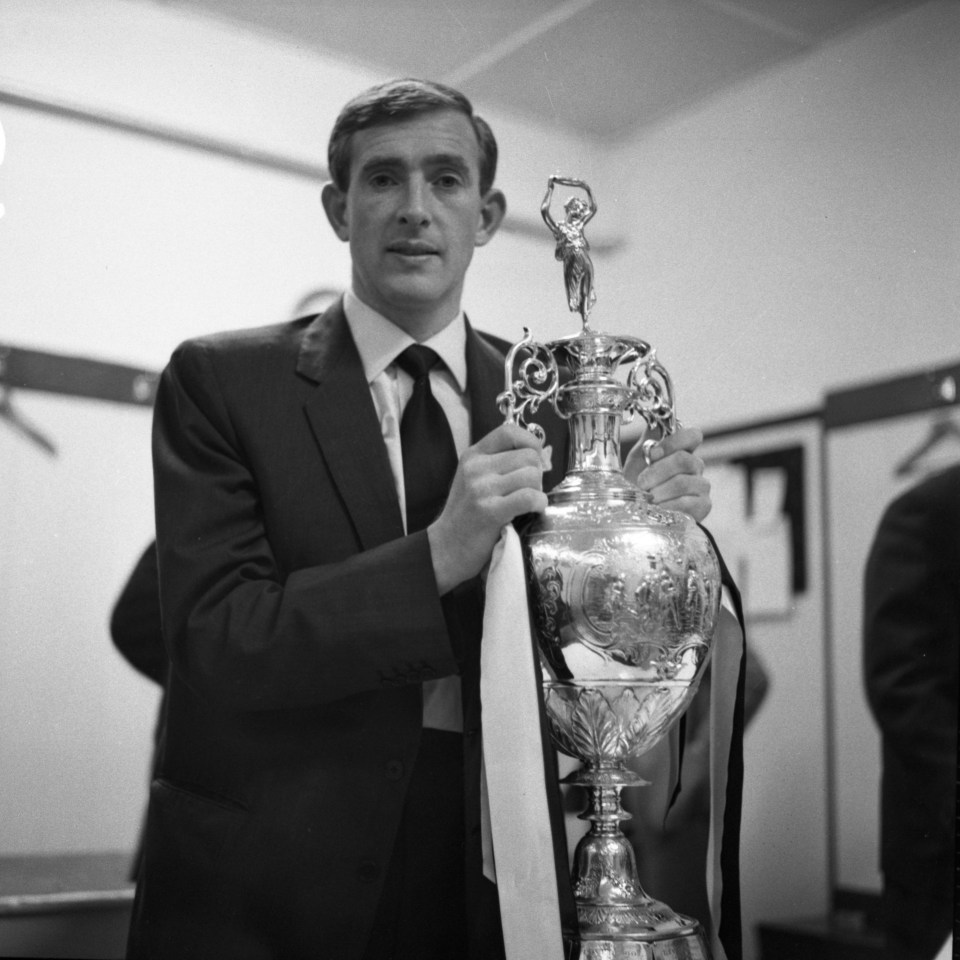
<point>911,646</point>
<point>300,622</point>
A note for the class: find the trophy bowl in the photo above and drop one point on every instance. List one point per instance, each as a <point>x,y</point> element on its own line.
<point>625,597</point>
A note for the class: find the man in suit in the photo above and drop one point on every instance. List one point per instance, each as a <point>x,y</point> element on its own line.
<point>318,791</point>
<point>911,649</point>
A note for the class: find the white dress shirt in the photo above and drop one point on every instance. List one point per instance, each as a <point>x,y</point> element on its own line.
<point>379,342</point>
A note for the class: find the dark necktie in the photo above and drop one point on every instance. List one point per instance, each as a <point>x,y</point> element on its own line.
<point>429,454</point>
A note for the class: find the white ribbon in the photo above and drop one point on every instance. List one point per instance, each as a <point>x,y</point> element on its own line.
<point>518,845</point>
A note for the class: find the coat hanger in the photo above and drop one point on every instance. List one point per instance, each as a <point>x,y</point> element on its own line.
<point>943,428</point>
<point>20,424</point>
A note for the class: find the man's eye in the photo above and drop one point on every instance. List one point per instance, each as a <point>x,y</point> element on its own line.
<point>380,180</point>
<point>449,181</point>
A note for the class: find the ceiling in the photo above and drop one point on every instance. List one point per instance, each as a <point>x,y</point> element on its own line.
<point>600,68</point>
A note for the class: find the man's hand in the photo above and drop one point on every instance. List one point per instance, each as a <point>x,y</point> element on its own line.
<point>497,479</point>
<point>675,477</point>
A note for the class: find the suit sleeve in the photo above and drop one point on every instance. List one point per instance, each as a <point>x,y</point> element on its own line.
<point>239,629</point>
<point>135,620</point>
<point>911,628</point>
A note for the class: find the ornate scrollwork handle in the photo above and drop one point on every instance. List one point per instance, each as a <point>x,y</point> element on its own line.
<point>537,380</point>
<point>651,395</point>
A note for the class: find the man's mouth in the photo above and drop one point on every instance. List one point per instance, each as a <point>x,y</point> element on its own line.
<point>413,248</point>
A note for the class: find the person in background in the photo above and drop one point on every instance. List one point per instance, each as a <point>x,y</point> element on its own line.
<point>137,635</point>
<point>911,659</point>
<point>671,849</point>
<point>327,494</point>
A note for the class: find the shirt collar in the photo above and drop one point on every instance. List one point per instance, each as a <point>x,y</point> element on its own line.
<point>379,340</point>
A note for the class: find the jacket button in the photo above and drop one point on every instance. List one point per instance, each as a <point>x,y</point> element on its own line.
<point>369,871</point>
<point>394,770</point>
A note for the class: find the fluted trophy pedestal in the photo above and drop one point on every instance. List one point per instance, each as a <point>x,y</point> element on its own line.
<point>618,919</point>
<point>624,595</point>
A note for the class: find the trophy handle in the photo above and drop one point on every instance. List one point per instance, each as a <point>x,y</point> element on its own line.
<point>538,378</point>
<point>651,395</point>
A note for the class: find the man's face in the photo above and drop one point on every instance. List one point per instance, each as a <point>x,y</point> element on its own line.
<point>413,214</point>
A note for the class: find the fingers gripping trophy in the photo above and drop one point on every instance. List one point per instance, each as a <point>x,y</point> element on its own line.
<point>625,596</point>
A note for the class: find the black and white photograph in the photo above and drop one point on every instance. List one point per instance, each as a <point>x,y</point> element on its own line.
<point>479,480</point>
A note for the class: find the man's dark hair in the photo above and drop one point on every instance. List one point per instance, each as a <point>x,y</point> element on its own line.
<point>400,100</point>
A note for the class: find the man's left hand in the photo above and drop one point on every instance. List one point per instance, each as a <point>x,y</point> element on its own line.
<point>674,477</point>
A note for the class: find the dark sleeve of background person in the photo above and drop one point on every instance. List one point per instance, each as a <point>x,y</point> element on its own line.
<point>911,628</point>
<point>911,651</point>
<point>137,634</point>
<point>135,621</point>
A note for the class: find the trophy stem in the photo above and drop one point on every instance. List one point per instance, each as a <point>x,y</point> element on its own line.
<point>595,443</point>
<point>618,920</point>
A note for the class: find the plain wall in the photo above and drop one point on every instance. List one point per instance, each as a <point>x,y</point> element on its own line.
<point>801,230</point>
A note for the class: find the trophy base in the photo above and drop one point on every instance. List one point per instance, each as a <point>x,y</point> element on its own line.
<point>691,945</point>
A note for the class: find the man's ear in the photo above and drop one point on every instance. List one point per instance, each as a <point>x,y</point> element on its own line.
<point>335,205</point>
<point>492,212</point>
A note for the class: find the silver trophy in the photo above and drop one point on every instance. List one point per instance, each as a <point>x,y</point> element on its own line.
<point>625,596</point>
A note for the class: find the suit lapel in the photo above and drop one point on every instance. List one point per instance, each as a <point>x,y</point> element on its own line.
<point>345,424</point>
<point>347,430</point>
<point>484,384</point>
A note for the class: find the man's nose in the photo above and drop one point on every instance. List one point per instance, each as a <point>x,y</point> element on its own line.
<point>414,207</point>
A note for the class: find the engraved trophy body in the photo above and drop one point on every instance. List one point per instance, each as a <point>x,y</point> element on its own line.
<point>625,598</point>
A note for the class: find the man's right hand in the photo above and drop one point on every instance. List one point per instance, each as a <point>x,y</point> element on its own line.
<point>497,479</point>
